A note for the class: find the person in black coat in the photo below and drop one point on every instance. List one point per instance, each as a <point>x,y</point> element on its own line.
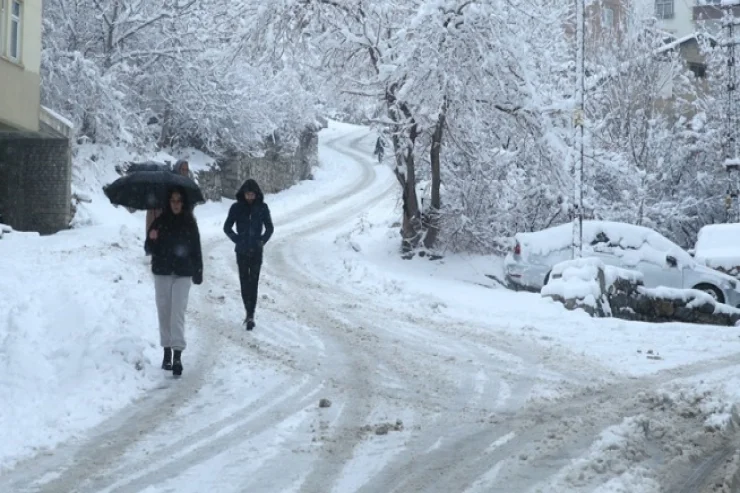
<point>173,240</point>
<point>253,229</point>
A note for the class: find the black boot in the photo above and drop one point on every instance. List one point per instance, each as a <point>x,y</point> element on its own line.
<point>249,323</point>
<point>167,360</point>
<point>177,363</point>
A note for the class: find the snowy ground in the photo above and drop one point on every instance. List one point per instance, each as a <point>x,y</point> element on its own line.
<point>439,380</point>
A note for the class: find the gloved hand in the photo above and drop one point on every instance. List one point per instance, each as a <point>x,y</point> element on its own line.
<point>198,278</point>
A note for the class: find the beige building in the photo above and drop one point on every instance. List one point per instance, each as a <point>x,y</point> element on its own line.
<point>20,63</point>
<point>35,151</point>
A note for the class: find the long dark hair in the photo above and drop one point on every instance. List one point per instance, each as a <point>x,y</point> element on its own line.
<point>187,209</point>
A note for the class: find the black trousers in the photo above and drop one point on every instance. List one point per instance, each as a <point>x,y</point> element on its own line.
<point>249,278</point>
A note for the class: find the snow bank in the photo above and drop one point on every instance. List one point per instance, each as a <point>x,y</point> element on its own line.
<point>675,425</point>
<point>693,298</point>
<point>718,246</point>
<point>612,274</point>
<point>576,279</point>
<point>587,281</point>
<point>197,160</point>
<point>77,333</point>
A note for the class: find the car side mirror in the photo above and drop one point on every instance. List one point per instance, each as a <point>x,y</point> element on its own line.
<point>671,260</point>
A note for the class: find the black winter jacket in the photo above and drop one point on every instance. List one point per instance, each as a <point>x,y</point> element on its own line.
<point>251,220</point>
<point>177,250</point>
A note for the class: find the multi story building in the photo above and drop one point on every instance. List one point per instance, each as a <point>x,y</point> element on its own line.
<point>35,161</point>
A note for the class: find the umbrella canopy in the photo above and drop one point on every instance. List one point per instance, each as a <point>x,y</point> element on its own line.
<point>147,166</point>
<point>145,190</point>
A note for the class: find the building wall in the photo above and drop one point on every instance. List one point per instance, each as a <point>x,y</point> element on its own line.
<point>35,182</point>
<point>20,80</point>
<point>682,23</point>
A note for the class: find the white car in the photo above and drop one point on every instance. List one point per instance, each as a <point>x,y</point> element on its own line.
<point>661,262</point>
<point>718,247</point>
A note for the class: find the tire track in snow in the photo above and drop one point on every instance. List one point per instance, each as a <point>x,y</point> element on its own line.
<point>457,448</point>
<point>83,459</point>
<point>607,402</point>
<point>356,327</point>
<point>237,337</point>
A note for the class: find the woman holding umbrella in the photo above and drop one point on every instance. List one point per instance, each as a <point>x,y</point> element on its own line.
<point>173,240</point>
<point>181,168</point>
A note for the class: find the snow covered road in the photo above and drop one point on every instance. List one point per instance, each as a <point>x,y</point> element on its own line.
<point>421,398</point>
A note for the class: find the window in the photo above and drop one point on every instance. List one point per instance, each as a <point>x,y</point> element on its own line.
<point>699,69</point>
<point>607,17</point>
<point>664,9</point>
<point>2,27</point>
<point>14,47</point>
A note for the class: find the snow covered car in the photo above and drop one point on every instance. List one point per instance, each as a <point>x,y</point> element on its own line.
<point>718,247</point>
<point>661,262</point>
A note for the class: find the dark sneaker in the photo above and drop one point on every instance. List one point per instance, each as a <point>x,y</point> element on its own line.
<point>250,324</point>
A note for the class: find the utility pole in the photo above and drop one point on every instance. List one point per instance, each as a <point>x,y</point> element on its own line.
<point>731,161</point>
<point>578,123</point>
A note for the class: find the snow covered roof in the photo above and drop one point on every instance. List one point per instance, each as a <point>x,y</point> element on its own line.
<point>685,39</point>
<point>718,246</point>
<point>624,67</point>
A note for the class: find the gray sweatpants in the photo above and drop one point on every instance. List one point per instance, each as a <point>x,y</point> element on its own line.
<point>172,301</point>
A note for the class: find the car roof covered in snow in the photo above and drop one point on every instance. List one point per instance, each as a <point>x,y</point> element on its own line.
<point>718,245</point>
<point>627,236</point>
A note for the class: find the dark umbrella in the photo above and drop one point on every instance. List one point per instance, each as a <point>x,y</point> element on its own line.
<point>147,166</point>
<point>146,190</point>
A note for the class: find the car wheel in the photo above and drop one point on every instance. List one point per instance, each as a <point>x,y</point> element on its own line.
<point>712,291</point>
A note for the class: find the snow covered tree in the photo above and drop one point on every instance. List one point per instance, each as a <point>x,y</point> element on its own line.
<point>150,74</point>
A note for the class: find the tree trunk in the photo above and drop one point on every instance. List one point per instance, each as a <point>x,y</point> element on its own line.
<point>166,134</point>
<point>411,226</point>
<point>432,215</point>
<point>89,127</point>
<point>405,169</point>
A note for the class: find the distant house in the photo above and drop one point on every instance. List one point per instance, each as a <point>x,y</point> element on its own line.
<point>35,160</point>
<point>675,17</point>
<point>681,18</point>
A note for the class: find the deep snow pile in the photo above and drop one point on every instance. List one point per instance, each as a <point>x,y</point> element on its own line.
<point>718,247</point>
<point>576,279</point>
<point>587,282</point>
<point>76,333</point>
<point>78,336</point>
